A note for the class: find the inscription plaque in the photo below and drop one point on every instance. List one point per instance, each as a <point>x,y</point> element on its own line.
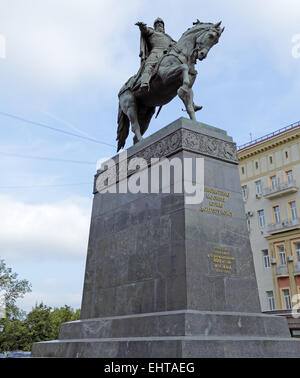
<point>221,261</point>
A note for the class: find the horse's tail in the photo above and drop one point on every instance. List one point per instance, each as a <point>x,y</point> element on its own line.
<point>145,114</point>
<point>123,128</point>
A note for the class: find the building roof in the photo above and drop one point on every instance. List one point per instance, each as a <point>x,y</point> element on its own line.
<point>269,136</point>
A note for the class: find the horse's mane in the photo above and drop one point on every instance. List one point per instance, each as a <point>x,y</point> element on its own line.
<point>196,28</point>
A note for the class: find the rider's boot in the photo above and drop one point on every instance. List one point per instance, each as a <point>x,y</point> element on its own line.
<point>196,107</point>
<point>145,80</point>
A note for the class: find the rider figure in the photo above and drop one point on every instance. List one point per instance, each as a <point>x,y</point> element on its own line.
<point>154,43</point>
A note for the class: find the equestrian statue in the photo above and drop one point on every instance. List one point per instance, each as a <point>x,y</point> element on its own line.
<point>167,69</point>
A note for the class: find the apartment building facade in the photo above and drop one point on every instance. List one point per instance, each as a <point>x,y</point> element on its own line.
<point>270,179</point>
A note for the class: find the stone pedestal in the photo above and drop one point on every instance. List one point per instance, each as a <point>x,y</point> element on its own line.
<point>166,277</point>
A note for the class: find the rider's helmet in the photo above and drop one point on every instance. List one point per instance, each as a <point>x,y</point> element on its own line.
<point>158,20</point>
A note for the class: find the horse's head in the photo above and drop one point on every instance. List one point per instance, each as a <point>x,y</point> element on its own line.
<point>205,39</point>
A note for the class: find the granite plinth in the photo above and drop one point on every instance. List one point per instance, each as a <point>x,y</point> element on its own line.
<point>168,347</point>
<point>167,278</point>
<point>186,334</point>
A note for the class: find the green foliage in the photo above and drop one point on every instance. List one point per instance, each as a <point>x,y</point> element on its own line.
<point>41,324</point>
<point>13,289</point>
<point>20,331</point>
<point>62,315</point>
<point>14,335</point>
<point>38,323</point>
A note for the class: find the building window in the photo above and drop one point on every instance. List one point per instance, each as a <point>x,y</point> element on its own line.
<point>271,300</point>
<point>266,258</point>
<point>243,170</point>
<point>289,177</point>
<point>286,155</point>
<point>276,214</point>
<point>271,159</point>
<point>258,187</point>
<point>287,299</point>
<point>256,165</point>
<point>261,218</point>
<point>273,182</point>
<point>297,249</point>
<point>281,253</point>
<point>245,192</point>
<point>293,209</point>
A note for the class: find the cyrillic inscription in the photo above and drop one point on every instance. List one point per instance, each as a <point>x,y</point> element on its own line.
<point>216,202</point>
<point>221,260</point>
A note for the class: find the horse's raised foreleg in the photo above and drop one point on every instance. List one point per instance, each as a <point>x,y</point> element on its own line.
<point>185,92</point>
<point>187,99</point>
<point>186,82</point>
<point>192,76</point>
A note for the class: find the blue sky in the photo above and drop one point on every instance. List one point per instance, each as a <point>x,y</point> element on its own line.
<point>65,63</point>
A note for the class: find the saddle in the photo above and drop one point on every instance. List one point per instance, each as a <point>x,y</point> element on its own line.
<point>134,82</point>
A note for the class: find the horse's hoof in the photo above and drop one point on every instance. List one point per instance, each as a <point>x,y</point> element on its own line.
<point>136,140</point>
<point>196,108</point>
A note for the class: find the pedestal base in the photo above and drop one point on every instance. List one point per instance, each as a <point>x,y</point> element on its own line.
<point>174,334</point>
<point>167,277</point>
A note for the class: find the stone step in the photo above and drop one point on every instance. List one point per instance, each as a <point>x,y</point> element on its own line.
<point>178,323</point>
<point>171,347</point>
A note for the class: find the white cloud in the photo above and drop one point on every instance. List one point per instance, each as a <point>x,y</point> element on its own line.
<point>44,231</point>
<point>62,42</point>
<point>57,298</point>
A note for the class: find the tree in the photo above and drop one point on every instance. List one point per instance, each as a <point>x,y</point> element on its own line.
<point>41,324</point>
<point>14,336</point>
<point>13,288</point>
<point>62,315</point>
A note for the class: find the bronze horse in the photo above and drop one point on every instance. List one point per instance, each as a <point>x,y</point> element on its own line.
<point>174,75</point>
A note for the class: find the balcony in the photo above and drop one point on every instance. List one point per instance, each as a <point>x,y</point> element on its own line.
<point>281,189</point>
<point>297,269</point>
<point>282,270</point>
<point>285,225</point>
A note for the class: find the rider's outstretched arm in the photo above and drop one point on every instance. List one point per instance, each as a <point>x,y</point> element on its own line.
<point>144,28</point>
